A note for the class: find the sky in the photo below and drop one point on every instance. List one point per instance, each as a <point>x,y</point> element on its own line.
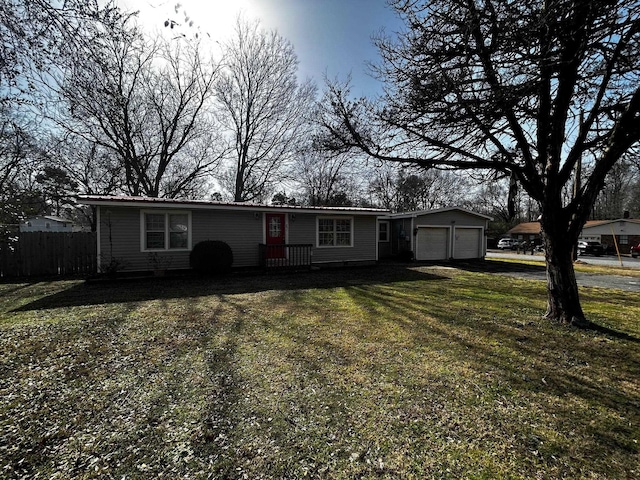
<point>330,37</point>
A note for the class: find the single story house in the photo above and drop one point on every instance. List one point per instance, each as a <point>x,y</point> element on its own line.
<point>143,234</point>
<point>442,234</point>
<point>526,232</point>
<point>625,232</point>
<point>46,223</point>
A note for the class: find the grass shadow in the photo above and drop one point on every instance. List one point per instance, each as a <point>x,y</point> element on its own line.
<point>500,267</point>
<point>192,286</point>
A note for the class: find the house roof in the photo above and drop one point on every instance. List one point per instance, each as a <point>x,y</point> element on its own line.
<point>149,202</point>
<point>57,219</point>
<point>438,210</point>
<point>596,223</point>
<point>533,228</point>
<point>51,218</point>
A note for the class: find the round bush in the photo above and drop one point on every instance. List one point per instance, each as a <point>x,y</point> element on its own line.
<point>211,257</point>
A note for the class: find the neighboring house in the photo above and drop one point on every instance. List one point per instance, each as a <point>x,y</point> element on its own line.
<point>141,234</point>
<point>443,234</point>
<point>526,232</point>
<point>624,232</point>
<point>46,223</point>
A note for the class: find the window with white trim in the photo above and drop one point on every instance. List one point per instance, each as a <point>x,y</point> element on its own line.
<point>165,230</point>
<point>383,231</point>
<point>335,232</point>
<point>624,239</point>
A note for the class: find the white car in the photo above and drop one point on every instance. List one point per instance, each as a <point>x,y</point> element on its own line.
<point>507,244</point>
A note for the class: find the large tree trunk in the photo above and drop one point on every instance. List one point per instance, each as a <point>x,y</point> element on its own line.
<point>563,300</point>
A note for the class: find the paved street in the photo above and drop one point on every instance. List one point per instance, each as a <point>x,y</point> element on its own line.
<point>608,260</point>
<point>631,284</point>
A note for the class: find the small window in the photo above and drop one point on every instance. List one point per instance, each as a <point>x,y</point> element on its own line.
<point>335,232</point>
<point>165,231</point>
<point>624,239</point>
<point>383,231</point>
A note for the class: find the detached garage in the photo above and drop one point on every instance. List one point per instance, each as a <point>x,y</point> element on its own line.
<point>443,234</point>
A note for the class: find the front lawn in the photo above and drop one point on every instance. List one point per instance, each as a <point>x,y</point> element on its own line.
<point>387,372</point>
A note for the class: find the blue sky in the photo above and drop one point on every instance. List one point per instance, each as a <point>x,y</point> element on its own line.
<point>331,37</point>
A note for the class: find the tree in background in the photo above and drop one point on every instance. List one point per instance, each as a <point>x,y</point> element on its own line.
<point>20,156</point>
<point>145,102</point>
<point>281,198</point>
<point>33,33</point>
<point>403,189</point>
<point>57,189</point>
<point>617,196</point>
<point>529,89</point>
<point>263,108</point>
<point>325,178</point>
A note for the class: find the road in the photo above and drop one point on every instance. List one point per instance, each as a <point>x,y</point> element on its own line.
<point>630,284</point>
<point>604,261</point>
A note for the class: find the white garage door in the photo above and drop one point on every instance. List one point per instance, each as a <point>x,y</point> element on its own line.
<point>467,243</point>
<point>431,243</point>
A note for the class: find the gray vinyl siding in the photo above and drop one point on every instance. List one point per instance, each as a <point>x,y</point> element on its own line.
<point>240,229</point>
<point>303,229</point>
<point>243,230</point>
<point>120,240</point>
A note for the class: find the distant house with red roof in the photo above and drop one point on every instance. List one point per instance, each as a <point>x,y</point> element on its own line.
<point>624,231</point>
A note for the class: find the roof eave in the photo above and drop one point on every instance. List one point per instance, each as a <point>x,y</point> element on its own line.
<point>145,202</point>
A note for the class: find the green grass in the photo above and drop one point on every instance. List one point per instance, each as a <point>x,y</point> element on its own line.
<point>387,372</point>
<point>582,265</point>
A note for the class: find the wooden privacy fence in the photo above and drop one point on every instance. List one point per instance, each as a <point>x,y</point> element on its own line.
<point>33,254</point>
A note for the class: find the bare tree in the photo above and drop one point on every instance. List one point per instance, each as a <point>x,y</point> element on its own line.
<point>145,102</point>
<point>91,167</point>
<point>617,195</point>
<point>325,178</point>
<point>403,189</point>
<point>524,88</point>
<point>21,155</point>
<point>36,34</point>
<point>17,145</point>
<point>263,108</point>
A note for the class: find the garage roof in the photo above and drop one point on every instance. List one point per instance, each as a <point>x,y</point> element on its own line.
<point>429,212</point>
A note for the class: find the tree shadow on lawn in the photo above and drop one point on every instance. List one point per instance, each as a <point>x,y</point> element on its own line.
<point>537,360</point>
<point>501,267</point>
<point>536,272</point>
<point>193,286</point>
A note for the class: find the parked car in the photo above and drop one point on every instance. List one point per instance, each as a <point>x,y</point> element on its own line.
<point>635,250</point>
<point>590,248</point>
<point>507,244</point>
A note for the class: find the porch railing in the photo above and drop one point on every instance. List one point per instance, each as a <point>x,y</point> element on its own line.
<point>287,256</point>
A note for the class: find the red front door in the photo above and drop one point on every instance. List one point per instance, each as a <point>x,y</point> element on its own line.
<point>275,235</point>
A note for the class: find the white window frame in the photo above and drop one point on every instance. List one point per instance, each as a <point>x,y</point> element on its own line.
<point>166,213</point>
<point>387,236</point>
<point>334,218</point>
